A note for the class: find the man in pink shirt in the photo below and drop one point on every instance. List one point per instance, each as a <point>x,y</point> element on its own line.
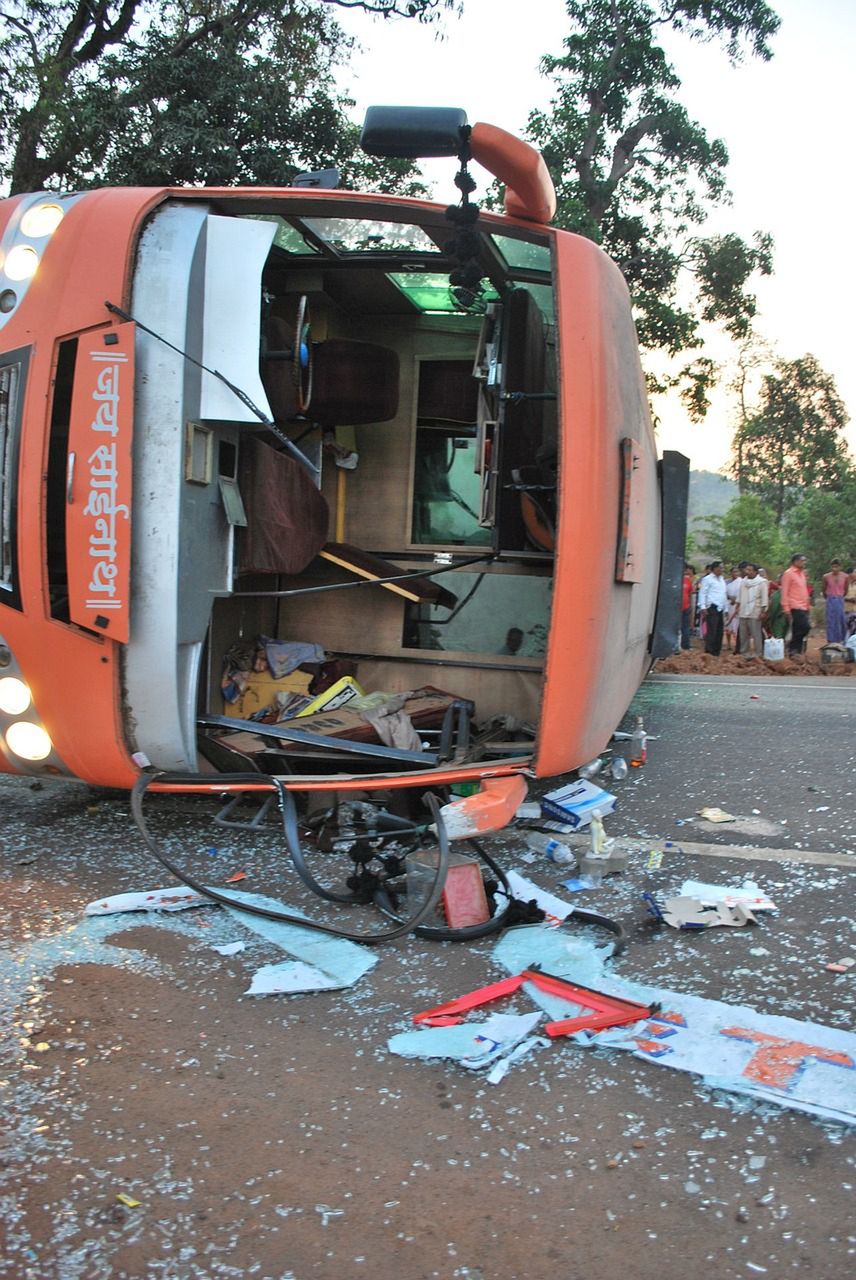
<point>795,603</point>
<point>835,585</point>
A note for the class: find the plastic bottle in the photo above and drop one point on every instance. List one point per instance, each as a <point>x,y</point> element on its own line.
<point>596,863</point>
<point>618,767</point>
<point>597,835</point>
<point>638,745</point>
<point>555,850</point>
<point>591,769</point>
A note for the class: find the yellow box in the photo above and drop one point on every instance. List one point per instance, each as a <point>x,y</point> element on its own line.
<point>262,689</point>
<point>338,695</point>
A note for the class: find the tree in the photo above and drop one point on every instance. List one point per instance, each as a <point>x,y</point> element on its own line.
<point>823,527</point>
<point>636,174</point>
<point>704,539</point>
<point>194,91</point>
<point>750,532</point>
<point>794,441</point>
<point>753,357</point>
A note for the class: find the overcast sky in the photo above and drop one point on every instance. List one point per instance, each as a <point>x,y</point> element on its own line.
<point>788,126</point>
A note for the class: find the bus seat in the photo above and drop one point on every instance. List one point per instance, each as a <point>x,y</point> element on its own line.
<point>287,516</point>
<point>353,383</point>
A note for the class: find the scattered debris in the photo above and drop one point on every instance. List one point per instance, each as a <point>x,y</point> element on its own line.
<point>603,1010</point>
<point>693,913</point>
<point>576,802</point>
<point>746,895</point>
<point>800,1065</point>
<point>556,910</point>
<point>320,962</point>
<point>173,898</point>
<point>474,1045</point>
<point>842,966</point>
<point>714,814</point>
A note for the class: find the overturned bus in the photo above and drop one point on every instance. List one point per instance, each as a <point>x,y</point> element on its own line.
<point>339,490</point>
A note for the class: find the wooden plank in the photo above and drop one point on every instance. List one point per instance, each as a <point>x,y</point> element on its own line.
<point>365,564</point>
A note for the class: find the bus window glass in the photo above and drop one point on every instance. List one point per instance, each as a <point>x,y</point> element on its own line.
<point>523,254</point>
<point>57,478</point>
<point>12,375</point>
<point>500,614</point>
<point>360,235</point>
<point>430,291</point>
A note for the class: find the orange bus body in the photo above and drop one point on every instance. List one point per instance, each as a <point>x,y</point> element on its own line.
<point>595,580</point>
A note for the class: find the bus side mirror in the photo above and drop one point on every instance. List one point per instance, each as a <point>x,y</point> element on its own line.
<point>412,133</point>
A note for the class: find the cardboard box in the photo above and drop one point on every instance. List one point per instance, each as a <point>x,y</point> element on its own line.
<point>576,802</point>
<point>261,692</point>
<point>426,708</point>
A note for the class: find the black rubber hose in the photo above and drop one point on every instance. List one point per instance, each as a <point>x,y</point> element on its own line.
<point>604,922</point>
<point>407,926</point>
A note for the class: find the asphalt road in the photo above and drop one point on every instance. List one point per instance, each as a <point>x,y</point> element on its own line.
<point>278,1138</point>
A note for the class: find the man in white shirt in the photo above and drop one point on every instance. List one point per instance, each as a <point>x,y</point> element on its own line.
<point>713,602</point>
<point>751,606</point>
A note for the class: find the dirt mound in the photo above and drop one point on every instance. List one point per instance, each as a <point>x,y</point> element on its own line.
<point>694,661</point>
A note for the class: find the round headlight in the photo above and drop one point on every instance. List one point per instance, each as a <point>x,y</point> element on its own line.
<point>29,741</point>
<point>14,696</point>
<point>21,262</point>
<point>41,220</point>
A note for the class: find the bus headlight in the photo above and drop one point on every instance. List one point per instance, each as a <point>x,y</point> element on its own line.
<point>15,696</point>
<point>41,220</point>
<point>21,262</point>
<point>29,741</point>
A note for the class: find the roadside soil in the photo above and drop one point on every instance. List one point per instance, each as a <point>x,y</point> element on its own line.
<point>694,661</point>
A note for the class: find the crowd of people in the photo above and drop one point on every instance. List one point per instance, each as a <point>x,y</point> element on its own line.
<point>743,609</point>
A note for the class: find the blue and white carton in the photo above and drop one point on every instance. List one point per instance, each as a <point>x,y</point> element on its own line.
<point>575,803</point>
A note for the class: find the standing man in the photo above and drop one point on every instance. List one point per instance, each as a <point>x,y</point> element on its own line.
<point>835,584</point>
<point>713,601</point>
<point>795,603</point>
<point>751,607</point>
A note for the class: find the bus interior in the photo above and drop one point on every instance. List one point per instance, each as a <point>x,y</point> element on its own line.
<point>412,431</point>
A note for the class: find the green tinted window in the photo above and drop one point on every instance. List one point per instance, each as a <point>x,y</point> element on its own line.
<point>429,291</point>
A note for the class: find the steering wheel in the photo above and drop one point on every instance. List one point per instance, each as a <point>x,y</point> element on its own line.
<point>302,364</point>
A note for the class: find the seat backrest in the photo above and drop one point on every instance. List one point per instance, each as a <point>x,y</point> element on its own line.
<point>353,383</point>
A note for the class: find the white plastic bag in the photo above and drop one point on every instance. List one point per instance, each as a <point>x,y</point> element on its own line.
<point>774,649</point>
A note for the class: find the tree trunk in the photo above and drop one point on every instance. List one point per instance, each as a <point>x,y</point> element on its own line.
<point>28,172</point>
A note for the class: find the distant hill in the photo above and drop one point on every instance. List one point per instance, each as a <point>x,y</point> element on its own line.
<point>710,494</point>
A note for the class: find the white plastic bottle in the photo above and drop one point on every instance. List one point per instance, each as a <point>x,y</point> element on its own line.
<point>596,862</point>
<point>591,769</point>
<point>554,850</point>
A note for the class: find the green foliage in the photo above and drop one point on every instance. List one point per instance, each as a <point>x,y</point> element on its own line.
<point>750,532</point>
<point>636,174</point>
<point>794,441</point>
<point>823,527</point>
<point>156,92</point>
<point>704,539</point>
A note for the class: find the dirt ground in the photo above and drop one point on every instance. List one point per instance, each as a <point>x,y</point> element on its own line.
<point>278,1138</point>
<point>694,661</point>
